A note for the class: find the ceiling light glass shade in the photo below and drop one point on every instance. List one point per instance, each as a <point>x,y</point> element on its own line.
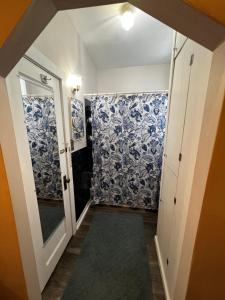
<point>127,20</point>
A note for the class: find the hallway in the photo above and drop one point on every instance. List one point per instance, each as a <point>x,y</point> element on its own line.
<point>59,279</point>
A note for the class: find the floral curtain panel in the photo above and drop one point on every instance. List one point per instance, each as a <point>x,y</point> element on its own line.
<point>128,138</point>
<point>40,122</point>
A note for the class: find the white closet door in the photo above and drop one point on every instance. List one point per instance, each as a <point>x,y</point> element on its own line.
<point>166,207</point>
<point>178,107</point>
<point>193,121</point>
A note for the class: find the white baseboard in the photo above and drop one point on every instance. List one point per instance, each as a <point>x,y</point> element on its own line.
<point>81,218</point>
<point>162,269</point>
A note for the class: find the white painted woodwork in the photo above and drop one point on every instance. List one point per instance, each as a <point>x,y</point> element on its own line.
<point>179,42</point>
<point>193,122</point>
<point>48,254</point>
<point>178,102</point>
<point>166,208</point>
<point>188,97</point>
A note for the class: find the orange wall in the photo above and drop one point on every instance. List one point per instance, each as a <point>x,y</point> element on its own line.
<point>212,8</point>
<point>12,282</point>
<point>207,276</point>
<point>10,13</point>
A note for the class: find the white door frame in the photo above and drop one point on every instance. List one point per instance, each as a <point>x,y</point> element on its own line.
<point>46,256</point>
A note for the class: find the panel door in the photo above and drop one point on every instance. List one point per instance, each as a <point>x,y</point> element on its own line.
<point>166,207</point>
<point>193,121</point>
<point>35,101</point>
<point>178,107</point>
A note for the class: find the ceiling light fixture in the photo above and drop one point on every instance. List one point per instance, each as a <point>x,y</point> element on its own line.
<point>127,17</point>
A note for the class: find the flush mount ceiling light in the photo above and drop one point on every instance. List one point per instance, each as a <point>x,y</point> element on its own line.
<point>127,17</point>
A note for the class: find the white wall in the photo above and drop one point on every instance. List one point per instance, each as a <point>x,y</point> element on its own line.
<point>134,79</point>
<point>61,43</point>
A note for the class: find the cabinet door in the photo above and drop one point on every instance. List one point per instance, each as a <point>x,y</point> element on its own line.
<point>178,107</point>
<point>166,207</point>
<point>193,121</point>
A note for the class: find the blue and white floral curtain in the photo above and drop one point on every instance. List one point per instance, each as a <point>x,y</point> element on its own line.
<point>128,138</point>
<point>40,122</point>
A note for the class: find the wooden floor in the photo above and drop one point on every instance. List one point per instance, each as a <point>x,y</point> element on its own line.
<point>61,275</point>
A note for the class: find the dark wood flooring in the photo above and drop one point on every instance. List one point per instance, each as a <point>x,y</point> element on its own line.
<point>59,279</point>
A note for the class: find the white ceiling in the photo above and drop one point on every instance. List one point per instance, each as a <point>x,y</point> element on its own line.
<point>110,46</point>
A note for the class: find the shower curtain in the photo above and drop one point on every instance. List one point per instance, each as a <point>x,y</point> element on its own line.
<point>39,112</point>
<point>128,136</point>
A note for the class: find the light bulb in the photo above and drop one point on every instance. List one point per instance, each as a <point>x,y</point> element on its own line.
<point>127,20</point>
<point>74,81</point>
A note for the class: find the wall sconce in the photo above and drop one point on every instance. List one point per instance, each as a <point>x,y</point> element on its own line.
<point>74,82</point>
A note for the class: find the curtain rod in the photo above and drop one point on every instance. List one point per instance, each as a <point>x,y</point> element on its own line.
<point>122,93</point>
<point>37,95</point>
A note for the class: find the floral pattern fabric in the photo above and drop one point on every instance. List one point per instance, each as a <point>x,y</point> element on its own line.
<point>40,122</point>
<point>128,138</point>
<point>77,112</point>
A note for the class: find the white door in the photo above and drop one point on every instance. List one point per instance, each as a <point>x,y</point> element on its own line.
<point>35,100</point>
<point>165,218</point>
<point>178,104</point>
<point>190,142</point>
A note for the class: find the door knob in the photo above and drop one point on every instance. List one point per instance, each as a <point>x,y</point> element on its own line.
<point>65,182</point>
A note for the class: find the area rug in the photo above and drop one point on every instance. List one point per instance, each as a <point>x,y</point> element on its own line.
<point>113,264</point>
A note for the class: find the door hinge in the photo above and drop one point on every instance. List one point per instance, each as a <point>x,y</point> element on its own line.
<point>175,200</point>
<point>63,150</point>
<point>180,157</point>
<point>191,59</point>
<point>45,79</point>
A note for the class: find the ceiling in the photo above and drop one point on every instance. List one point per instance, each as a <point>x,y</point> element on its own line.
<point>185,18</point>
<point>110,46</point>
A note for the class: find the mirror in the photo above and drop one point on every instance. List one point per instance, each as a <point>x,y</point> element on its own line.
<point>77,114</point>
<point>40,120</point>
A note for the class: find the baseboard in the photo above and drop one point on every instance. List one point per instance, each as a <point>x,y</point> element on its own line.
<point>166,290</point>
<point>81,218</point>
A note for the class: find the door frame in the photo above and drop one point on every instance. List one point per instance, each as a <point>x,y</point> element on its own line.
<point>39,60</point>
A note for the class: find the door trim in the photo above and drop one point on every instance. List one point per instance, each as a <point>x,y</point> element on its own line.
<point>83,214</point>
<point>162,271</point>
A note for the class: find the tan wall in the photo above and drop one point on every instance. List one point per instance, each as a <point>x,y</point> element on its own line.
<point>10,13</point>
<point>214,9</point>
<point>12,283</point>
